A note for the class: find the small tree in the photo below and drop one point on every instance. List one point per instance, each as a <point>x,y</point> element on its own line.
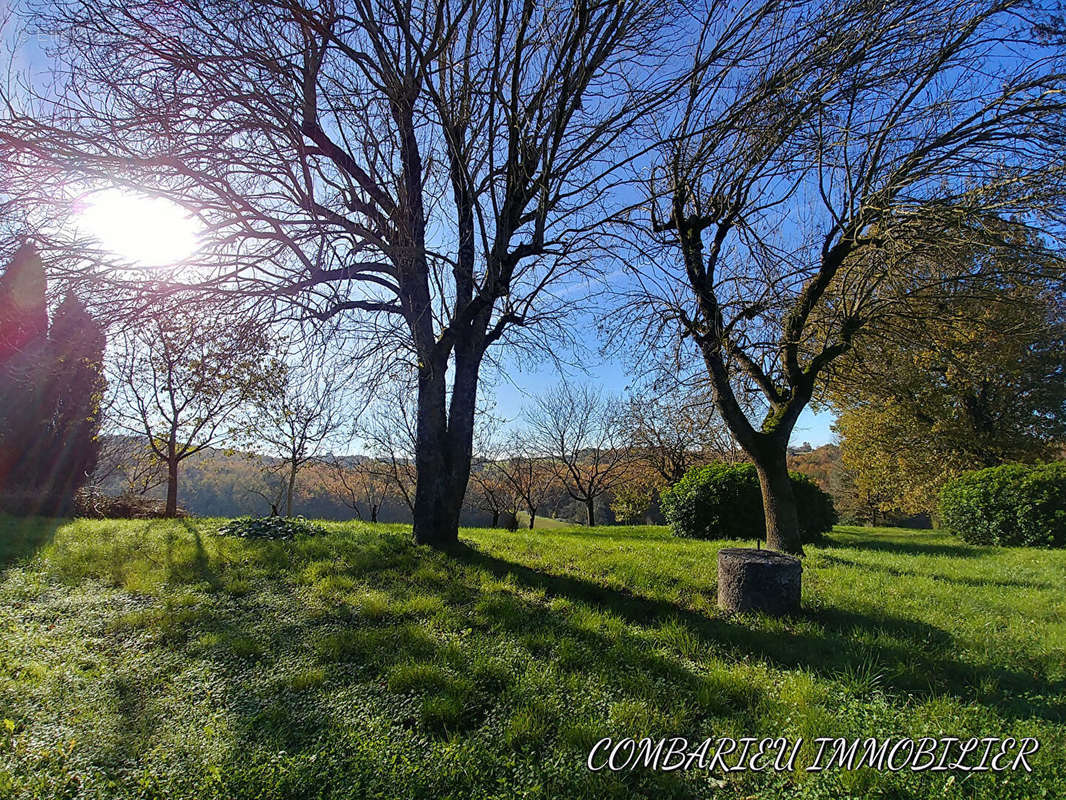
<point>360,486</point>
<point>390,436</point>
<point>582,432</point>
<point>295,414</point>
<point>532,477</point>
<point>179,378</point>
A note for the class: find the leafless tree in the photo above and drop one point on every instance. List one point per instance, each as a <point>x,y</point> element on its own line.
<point>582,432</point>
<point>801,176</point>
<point>432,172</point>
<point>673,428</point>
<point>390,435</point>
<point>299,410</point>
<point>179,378</point>
<point>531,476</point>
<point>361,486</point>
<point>490,489</point>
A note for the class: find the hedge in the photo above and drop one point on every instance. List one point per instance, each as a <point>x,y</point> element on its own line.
<point>724,501</point>
<point>1015,505</point>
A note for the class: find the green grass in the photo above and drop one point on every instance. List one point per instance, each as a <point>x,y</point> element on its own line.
<point>155,659</point>
<point>542,523</point>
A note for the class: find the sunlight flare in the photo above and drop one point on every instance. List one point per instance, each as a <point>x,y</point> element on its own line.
<point>146,231</point>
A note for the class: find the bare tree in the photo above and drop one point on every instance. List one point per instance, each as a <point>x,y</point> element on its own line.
<point>390,435</point>
<point>674,429</point>
<point>433,172</point>
<point>802,175</point>
<point>491,491</point>
<point>180,377</point>
<point>531,476</point>
<point>298,412</point>
<point>583,433</point>
<point>362,487</point>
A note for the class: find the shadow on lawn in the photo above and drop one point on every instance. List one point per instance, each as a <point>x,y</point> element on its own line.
<point>267,710</point>
<point>909,548</point>
<point>977,583</point>
<point>22,537</point>
<point>916,658</point>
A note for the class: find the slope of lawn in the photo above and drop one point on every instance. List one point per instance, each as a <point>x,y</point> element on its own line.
<point>156,659</point>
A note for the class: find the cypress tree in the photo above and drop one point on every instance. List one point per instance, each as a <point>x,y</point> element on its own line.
<point>51,386</point>
<point>23,353</point>
<point>74,389</point>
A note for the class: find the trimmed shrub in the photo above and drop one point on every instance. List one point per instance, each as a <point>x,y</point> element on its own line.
<point>269,527</point>
<point>1015,505</point>
<point>724,501</point>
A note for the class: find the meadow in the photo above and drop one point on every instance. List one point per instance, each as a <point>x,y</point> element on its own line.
<point>158,659</point>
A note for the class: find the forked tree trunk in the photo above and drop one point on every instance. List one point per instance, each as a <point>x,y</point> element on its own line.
<point>443,447</point>
<point>778,501</point>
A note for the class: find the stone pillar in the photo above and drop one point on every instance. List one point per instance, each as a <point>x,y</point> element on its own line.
<point>758,580</point>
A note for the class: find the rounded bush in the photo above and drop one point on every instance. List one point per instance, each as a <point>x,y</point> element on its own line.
<point>724,501</point>
<point>1015,505</point>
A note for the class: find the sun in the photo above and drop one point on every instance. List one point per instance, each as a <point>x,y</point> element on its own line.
<point>146,231</point>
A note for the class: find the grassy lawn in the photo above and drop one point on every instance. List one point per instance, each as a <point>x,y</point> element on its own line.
<point>155,659</point>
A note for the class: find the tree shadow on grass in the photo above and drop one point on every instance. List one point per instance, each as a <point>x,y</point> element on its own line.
<point>977,583</point>
<point>914,656</point>
<point>342,653</point>
<point>22,537</point>
<point>916,548</point>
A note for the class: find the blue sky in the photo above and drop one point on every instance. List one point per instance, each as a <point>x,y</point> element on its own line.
<point>517,391</point>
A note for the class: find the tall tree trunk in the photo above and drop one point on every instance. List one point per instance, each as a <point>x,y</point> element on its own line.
<point>495,518</point>
<point>590,511</point>
<point>443,449</point>
<point>778,500</point>
<point>532,517</point>
<point>434,521</point>
<point>171,509</point>
<point>373,513</point>
<point>289,490</point>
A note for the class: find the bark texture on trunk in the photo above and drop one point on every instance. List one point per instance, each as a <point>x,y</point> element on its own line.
<point>171,509</point>
<point>590,512</point>
<point>289,491</point>
<point>778,502</point>
<point>445,439</point>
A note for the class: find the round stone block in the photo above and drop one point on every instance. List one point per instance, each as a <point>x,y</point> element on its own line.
<point>758,580</point>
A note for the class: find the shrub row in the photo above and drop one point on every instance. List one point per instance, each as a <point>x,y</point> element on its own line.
<point>724,501</point>
<point>1012,505</point>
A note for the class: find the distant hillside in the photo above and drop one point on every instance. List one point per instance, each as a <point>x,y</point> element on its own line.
<point>820,464</point>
